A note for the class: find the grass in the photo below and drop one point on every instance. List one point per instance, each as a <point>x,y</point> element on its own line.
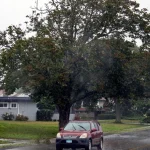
<point>28,130</point>
<point>110,126</point>
<point>4,142</point>
<point>47,130</point>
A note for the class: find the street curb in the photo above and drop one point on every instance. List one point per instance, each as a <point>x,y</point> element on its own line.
<point>12,142</point>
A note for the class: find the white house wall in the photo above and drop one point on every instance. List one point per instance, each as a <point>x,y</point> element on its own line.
<point>28,109</point>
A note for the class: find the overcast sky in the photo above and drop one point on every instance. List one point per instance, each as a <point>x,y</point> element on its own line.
<point>14,11</point>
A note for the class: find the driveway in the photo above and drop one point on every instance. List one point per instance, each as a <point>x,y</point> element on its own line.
<point>137,140</point>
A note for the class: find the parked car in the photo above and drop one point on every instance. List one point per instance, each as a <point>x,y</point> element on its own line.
<point>80,134</point>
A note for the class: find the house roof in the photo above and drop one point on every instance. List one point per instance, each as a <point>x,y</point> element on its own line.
<point>15,99</point>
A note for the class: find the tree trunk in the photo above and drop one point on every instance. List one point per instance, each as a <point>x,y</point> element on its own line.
<point>96,114</point>
<point>64,113</point>
<point>118,111</point>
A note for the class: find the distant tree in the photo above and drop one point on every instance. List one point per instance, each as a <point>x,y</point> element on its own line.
<point>145,62</point>
<point>118,72</point>
<point>124,78</point>
<point>46,104</point>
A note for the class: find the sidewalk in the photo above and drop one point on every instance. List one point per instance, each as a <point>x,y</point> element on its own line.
<point>13,142</point>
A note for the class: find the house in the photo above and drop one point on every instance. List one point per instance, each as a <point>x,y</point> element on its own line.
<point>17,104</point>
<point>101,102</point>
<point>83,112</point>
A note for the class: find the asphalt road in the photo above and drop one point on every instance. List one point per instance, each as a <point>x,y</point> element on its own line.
<point>137,140</point>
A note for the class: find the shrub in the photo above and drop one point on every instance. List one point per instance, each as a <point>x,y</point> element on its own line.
<point>146,120</point>
<point>44,115</point>
<point>148,113</point>
<point>147,117</point>
<point>21,118</point>
<point>8,116</point>
<point>106,116</point>
<point>133,117</point>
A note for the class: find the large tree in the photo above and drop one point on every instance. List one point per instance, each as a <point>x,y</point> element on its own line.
<point>41,67</point>
<point>54,62</point>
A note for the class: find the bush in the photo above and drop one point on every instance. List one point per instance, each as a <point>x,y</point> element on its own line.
<point>133,117</point>
<point>21,118</point>
<point>8,116</point>
<point>148,113</point>
<point>44,115</point>
<point>146,120</point>
<point>106,116</point>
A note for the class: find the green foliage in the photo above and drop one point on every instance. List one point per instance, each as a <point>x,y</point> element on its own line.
<point>145,62</point>
<point>132,118</point>
<point>8,116</point>
<point>146,120</point>
<point>21,118</point>
<point>47,104</point>
<point>44,115</point>
<point>148,113</point>
<point>141,106</point>
<point>106,116</point>
<point>121,81</point>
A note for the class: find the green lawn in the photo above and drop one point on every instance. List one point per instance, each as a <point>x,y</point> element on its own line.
<point>28,130</point>
<point>46,130</point>
<point>110,126</point>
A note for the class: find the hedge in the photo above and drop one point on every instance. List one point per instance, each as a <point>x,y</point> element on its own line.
<point>106,116</point>
<point>146,120</point>
<point>44,115</point>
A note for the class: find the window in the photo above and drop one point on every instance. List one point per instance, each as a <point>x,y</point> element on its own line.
<point>13,105</point>
<point>92,125</point>
<point>95,124</point>
<point>3,105</point>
